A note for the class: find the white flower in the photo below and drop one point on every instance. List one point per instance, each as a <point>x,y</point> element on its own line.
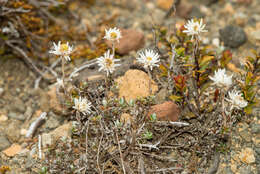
<point>221,79</point>
<point>236,99</point>
<point>107,62</point>
<point>149,58</point>
<point>62,50</point>
<point>82,105</point>
<point>59,82</point>
<point>194,28</point>
<point>113,34</point>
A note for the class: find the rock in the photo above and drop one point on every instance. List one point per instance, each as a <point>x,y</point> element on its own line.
<point>126,119</point>
<point>245,170</point>
<point>228,9</point>
<point>196,13</point>
<point>233,36</point>
<point>209,2</point>
<point>18,106</point>
<point>16,116</point>
<point>13,150</point>
<point>184,9</point>
<point>13,130</point>
<point>134,84</point>
<point>255,128</point>
<point>1,91</point>
<point>167,111</point>
<point>131,40</point>
<point>3,118</point>
<point>54,102</point>
<point>52,122</point>
<point>256,34</point>
<point>227,170</point>
<point>63,131</point>
<point>161,96</point>
<point>247,156</point>
<point>4,142</point>
<point>245,134</point>
<point>164,4</point>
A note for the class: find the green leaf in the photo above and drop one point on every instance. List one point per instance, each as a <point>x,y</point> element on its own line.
<point>176,98</point>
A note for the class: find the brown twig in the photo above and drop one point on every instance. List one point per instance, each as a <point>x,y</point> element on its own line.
<point>121,155</point>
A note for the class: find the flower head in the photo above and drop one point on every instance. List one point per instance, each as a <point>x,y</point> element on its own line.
<point>149,58</point>
<point>107,62</point>
<point>194,28</point>
<point>82,105</point>
<point>62,50</point>
<point>113,34</point>
<point>236,99</point>
<point>221,79</point>
<point>59,83</point>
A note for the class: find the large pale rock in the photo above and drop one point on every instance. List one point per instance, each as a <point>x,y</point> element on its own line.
<point>134,84</point>
<point>63,131</point>
<point>164,4</point>
<point>247,156</point>
<point>167,111</point>
<point>131,40</point>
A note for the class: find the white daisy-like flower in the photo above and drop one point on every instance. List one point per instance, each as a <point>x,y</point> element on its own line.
<point>107,62</point>
<point>221,79</point>
<point>149,59</point>
<point>194,28</point>
<point>82,105</point>
<point>62,50</point>
<point>113,34</point>
<point>236,99</point>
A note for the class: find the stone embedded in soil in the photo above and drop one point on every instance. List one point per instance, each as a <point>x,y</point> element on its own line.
<point>233,36</point>
<point>255,34</point>
<point>131,40</point>
<point>167,111</point>
<point>63,131</point>
<point>164,4</point>
<point>16,116</point>
<point>1,91</point>
<point>184,9</point>
<point>196,13</point>
<point>255,128</point>
<point>54,101</point>
<point>247,156</point>
<point>13,131</point>
<point>126,119</point>
<point>209,2</point>
<point>134,84</point>
<point>4,143</point>
<point>13,150</point>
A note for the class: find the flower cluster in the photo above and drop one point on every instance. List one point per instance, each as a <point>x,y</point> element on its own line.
<point>221,79</point>
<point>113,34</point>
<point>107,62</point>
<point>236,100</point>
<point>194,28</point>
<point>149,59</point>
<point>82,105</point>
<point>63,50</point>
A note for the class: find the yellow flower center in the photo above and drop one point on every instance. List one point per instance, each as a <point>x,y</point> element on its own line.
<point>149,58</point>
<point>196,28</point>
<point>108,62</point>
<point>113,35</point>
<point>64,47</point>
